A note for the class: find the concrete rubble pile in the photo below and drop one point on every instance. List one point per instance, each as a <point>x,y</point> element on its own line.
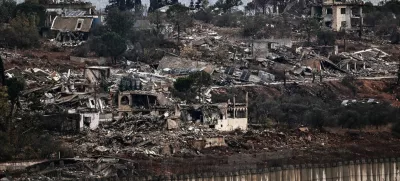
<point>77,168</point>
<point>369,62</point>
<point>148,135</point>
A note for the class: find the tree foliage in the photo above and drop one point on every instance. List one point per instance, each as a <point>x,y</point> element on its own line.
<point>300,109</point>
<point>109,44</point>
<point>326,37</point>
<point>36,11</point>
<point>7,9</point>
<point>178,15</point>
<point>4,107</point>
<point>204,15</point>
<point>310,26</point>
<point>262,4</point>
<point>120,22</point>
<point>156,4</point>
<point>2,74</point>
<point>22,32</point>
<point>227,5</point>
<point>193,82</point>
<point>146,44</point>
<point>122,5</point>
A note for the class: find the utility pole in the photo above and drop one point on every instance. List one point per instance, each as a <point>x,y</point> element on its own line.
<point>398,74</point>
<point>95,96</point>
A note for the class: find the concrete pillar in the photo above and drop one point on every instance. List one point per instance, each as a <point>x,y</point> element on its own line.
<point>329,169</point>
<point>392,168</point>
<point>272,175</point>
<point>259,175</point>
<point>204,177</point>
<point>192,177</point>
<point>375,172</point>
<point>361,15</point>
<point>387,168</point>
<point>248,175</point>
<point>236,176</point>
<point>369,170</point>
<point>309,172</point>
<point>398,169</point>
<point>346,172</point>
<point>355,66</point>
<point>278,174</point>
<point>363,170</point>
<point>352,171</point>
<point>296,172</point>
<point>322,172</point>
<point>340,173</point>
<point>199,177</point>
<point>315,172</point>
<point>381,169</point>
<point>291,173</point>
<point>242,175</point>
<point>357,168</point>
<point>303,173</point>
<point>285,172</point>
<point>265,175</point>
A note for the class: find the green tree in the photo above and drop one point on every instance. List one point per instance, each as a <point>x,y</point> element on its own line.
<point>183,84</point>
<point>154,5</point>
<point>120,22</point>
<point>263,4</point>
<point>316,117</point>
<point>326,37</point>
<point>15,86</point>
<point>110,44</point>
<point>155,18</point>
<point>250,8</point>
<point>2,75</point>
<point>204,15</point>
<point>34,10</point>
<point>178,14</point>
<point>7,7</point>
<point>122,5</point>
<point>22,32</point>
<point>4,107</point>
<point>227,5</point>
<point>391,6</point>
<point>311,26</point>
<point>193,82</point>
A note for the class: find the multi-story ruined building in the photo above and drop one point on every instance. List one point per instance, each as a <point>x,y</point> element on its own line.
<point>340,14</point>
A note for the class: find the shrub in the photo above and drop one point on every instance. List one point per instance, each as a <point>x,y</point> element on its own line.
<point>350,81</point>
<point>326,37</point>
<point>204,15</point>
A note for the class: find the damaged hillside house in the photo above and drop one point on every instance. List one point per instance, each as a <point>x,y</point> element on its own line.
<point>143,102</point>
<point>74,25</point>
<point>222,116</point>
<point>339,14</point>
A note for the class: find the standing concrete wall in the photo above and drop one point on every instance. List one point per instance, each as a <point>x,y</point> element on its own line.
<point>359,170</point>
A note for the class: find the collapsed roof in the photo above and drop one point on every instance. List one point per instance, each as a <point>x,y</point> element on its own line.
<point>71,24</point>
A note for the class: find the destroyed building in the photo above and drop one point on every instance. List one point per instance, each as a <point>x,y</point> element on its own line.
<point>222,116</point>
<point>62,8</point>
<point>339,14</point>
<point>71,29</point>
<point>141,102</point>
<point>261,48</point>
